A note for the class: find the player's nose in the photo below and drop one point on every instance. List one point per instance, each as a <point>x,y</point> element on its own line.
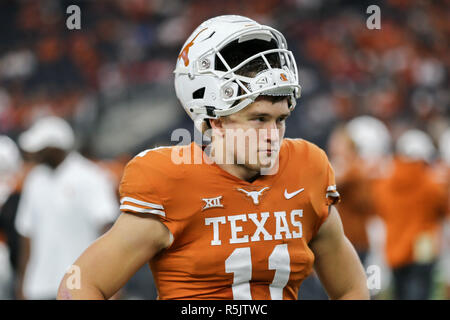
<point>270,134</point>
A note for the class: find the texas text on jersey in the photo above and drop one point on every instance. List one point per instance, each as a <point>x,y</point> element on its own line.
<point>233,239</point>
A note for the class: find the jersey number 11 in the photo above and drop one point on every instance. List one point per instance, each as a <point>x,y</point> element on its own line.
<point>240,263</point>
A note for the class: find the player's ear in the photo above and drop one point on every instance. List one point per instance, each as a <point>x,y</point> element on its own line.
<point>217,125</point>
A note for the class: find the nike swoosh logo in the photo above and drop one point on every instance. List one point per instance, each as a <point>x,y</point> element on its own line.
<point>288,195</point>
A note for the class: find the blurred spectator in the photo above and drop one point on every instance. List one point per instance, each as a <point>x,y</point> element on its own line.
<point>12,175</point>
<point>412,206</point>
<point>354,187</point>
<point>67,201</point>
<point>8,213</point>
<point>10,163</point>
<point>364,151</point>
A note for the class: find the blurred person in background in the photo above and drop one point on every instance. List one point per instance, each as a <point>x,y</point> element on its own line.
<point>412,205</point>
<point>67,202</point>
<point>10,165</point>
<point>372,140</point>
<point>354,186</point>
<point>361,151</point>
<point>444,172</point>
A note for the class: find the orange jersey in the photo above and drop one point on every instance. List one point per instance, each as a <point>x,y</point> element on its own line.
<point>354,187</point>
<point>411,204</point>
<point>233,239</point>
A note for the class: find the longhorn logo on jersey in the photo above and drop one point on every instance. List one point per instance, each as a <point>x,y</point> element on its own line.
<point>254,194</point>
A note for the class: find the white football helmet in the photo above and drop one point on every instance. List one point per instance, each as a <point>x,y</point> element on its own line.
<point>206,90</point>
<point>371,137</point>
<point>415,145</point>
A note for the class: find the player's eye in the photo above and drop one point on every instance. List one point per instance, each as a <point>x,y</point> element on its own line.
<point>259,119</point>
<point>281,119</point>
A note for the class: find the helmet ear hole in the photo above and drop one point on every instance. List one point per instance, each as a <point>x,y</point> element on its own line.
<point>199,93</point>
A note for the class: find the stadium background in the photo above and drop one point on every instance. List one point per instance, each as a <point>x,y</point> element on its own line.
<point>113,81</point>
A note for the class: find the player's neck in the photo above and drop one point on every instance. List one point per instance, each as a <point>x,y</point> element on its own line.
<point>228,162</point>
<point>240,171</point>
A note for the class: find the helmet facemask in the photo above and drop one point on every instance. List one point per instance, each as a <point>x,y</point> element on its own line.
<point>252,68</point>
<point>256,66</point>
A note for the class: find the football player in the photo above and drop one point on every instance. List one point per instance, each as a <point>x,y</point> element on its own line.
<point>412,205</point>
<point>250,228</point>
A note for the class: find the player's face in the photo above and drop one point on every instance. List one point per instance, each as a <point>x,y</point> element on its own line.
<point>52,157</point>
<point>253,135</point>
<point>340,146</point>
